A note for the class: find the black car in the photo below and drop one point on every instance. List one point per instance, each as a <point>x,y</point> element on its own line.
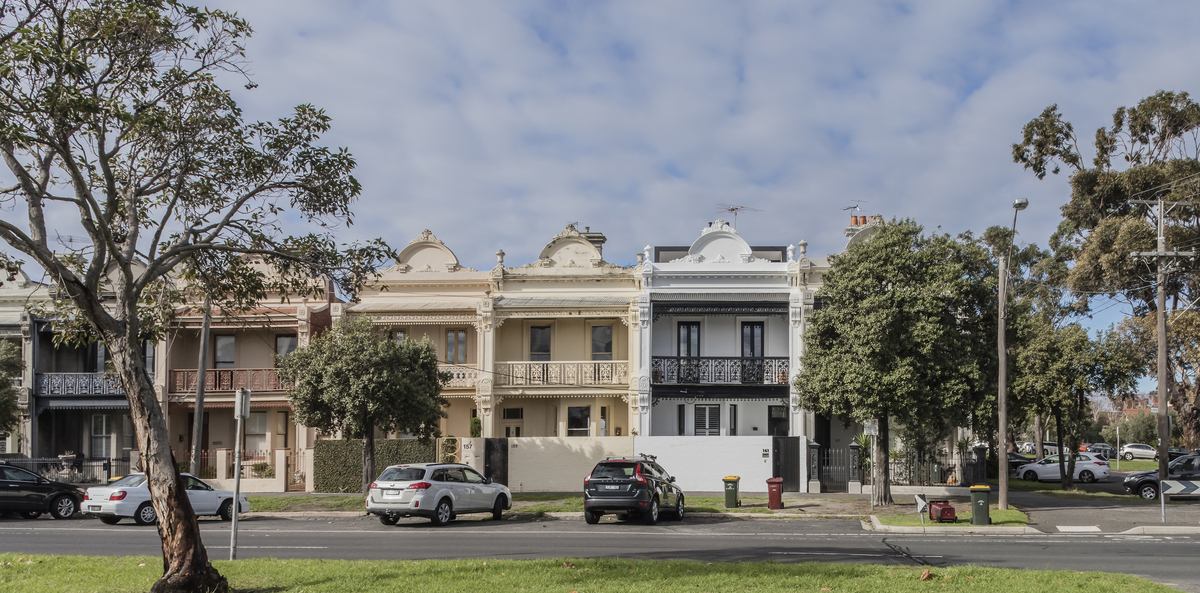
<point>1105,449</point>
<point>1145,484</point>
<point>29,495</point>
<point>631,486</point>
<point>1016,460</point>
<point>1172,454</point>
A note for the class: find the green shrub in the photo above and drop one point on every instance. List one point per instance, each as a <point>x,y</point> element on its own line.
<point>337,465</point>
<point>476,428</point>
<point>262,469</point>
<point>449,449</point>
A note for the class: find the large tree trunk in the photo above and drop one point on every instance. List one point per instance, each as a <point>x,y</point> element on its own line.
<point>185,562</point>
<point>1063,476</point>
<point>1184,400</point>
<point>1038,441</point>
<point>881,490</point>
<point>368,454</point>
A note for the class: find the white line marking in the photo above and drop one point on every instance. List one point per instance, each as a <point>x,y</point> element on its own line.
<point>1077,528</point>
<point>271,547</point>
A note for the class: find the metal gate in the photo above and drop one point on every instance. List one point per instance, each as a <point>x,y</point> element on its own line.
<point>786,460</point>
<point>295,471</point>
<point>835,469</point>
<point>495,460</point>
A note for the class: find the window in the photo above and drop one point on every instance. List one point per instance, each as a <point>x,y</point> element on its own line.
<point>579,421</point>
<point>733,420</point>
<point>281,430</point>
<point>224,352</point>
<point>603,421</point>
<point>402,474</point>
<point>752,339</point>
<point>708,420</point>
<point>148,358</point>
<point>102,430</point>
<point>539,342</point>
<point>256,432</point>
<point>398,335</point>
<point>456,346</point>
<point>513,413</point>
<point>3,442</point>
<point>602,342</point>
<point>512,431</point>
<point>689,338</point>
<point>456,475</point>
<point>439,476</point>
<point>285,344</point>
<point>18,475</point>
<point>473,476</point>
<point>194,484</point>
<point>682,417</point>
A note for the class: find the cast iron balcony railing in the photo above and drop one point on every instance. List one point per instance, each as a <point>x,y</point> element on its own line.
<point>568,373</point>
<point>215,380</point>
<point>461,375</point>
<point>719,370</point>
<point>68,384</point>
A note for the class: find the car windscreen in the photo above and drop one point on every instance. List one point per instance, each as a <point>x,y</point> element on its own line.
<point>614,470</point>
<point>402,474</point>
<point>129,481</point>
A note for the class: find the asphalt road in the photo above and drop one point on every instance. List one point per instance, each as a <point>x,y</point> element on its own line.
<point>1169,560</point>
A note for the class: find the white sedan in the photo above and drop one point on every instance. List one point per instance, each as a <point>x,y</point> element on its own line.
<point>130,497</point>
<point>1089,467</point>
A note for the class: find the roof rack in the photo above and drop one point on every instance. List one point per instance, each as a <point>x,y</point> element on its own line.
<point>645,456</point>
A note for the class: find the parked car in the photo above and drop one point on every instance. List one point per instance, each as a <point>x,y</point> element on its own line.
<point>129,498</point>
<point>631,485</point>
<point>29,495</point>
<point>1173,453</point>
<point>1145,484</point>
<point>1026,447</point>
<point>1050,448</point>
<point>1133,451</point>
<point>1016,460</point>
<point>1089,468</point>
<point>1105,449</point>
<point>438,491</point>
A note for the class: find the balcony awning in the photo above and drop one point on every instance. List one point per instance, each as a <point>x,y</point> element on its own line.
<point>727,308</point>
<point>229,405</point>
<point>82,404</point>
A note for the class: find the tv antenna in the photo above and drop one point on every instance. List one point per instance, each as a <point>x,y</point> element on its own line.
<point>735,209</point>
<point>857,205</point>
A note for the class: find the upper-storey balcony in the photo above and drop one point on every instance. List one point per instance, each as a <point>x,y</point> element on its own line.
<point>563,373</point>
<point>219,380</point>
<point>461,375</point>
<point>719,370</point>
<point>72,384</point>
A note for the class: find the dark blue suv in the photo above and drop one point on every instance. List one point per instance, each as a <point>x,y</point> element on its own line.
<point>631,486</point>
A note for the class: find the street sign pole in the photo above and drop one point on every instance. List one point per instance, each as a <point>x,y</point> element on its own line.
<point>241,411</point>
<point>922,506</point>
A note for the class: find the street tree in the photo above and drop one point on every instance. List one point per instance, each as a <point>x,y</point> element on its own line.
<point>354,380</point>
<point>112,115</point>
<point>904,336</point>
<point>11,367</point>
<point>1150,151</point>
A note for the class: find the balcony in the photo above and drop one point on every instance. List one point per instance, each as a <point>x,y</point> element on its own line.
<point>564,373</point>
<point>719,370</point>
<point>460,375</point>
<point>69,384</point>
<point>217,380</point>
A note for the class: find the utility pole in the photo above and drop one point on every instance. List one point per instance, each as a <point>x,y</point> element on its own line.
<point>1002,394</point>
<point>201,376</point>
<point>1166,262</point>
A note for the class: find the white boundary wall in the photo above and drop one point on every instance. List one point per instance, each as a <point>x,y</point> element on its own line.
<point>559,464</point>
<point>699,463</point>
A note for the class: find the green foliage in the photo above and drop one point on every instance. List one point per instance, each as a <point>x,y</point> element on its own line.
<point>262,469</point>
<point>338,465</point>
<point>1141,427</point>
<point>11,367</point>
<point>476,428</point>
<point>449,449</point>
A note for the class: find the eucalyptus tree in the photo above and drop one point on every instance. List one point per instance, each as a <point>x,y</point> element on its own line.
<point>1150,151</point>
<point>354,380</point>
<point>905,335</point>
<point>114,126</point>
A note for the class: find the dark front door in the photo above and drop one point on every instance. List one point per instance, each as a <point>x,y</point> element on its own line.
<point>689,352</point>
<point>495,460</point>
<point>203,433</point>
<point>777,421</point>
<point>752,352</point>
<point>787,462</point>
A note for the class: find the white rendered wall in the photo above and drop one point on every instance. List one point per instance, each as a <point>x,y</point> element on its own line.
<point>699,463</point>
<point>751,415</point>
<point>558,464</point>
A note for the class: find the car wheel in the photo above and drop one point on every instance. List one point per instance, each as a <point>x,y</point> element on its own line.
<point>110,520</point>
<point>1031,476</point>
<point>650,515</point>
<point>226,511</point>
<point>389,519</point>
<point>442,513</point>
<point>1087,477</point>
<point>591,517</point>
<point>30,514</point>
<point>678,516</point>
<point>63,507</point>
<point>1148,491</point>
<point>498,508</point>
<point>145,514</point>
<point>1127,457</point>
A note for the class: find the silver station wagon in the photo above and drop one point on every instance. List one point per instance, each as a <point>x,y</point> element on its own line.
<point>439,491</point>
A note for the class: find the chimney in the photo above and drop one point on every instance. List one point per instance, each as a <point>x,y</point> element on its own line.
<point>598,239</point>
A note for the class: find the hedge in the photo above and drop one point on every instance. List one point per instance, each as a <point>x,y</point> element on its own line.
<point>337,465</point>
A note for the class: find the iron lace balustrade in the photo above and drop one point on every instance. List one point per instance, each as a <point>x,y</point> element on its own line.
<point>719,370</point>
<point>591,372</point>
<point>461,375</point>
<point>217,380</point>
<point>52,384</point>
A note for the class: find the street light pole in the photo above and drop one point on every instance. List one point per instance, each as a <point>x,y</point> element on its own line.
<point>1001,396</point>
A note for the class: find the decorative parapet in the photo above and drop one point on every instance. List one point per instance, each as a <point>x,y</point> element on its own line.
<point>460,375</point>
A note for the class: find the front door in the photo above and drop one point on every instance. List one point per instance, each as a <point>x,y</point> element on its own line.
<point>777,421</point>
<point>752,352</point>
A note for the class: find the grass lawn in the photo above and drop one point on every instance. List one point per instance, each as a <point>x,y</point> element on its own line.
<point>54,574</point>
<point>1008,518</point>
<point>308,502</point>
<point>1137,465</point>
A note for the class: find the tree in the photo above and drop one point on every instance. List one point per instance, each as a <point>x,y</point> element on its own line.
<point>903,336</point>
<point>1061,369</point>
<point>353,379</point>
<point>10,368</point>
<point>111,115</point>
<point>1150,151</point>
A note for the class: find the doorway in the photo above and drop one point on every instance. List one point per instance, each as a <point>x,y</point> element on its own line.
<point>777,421</point>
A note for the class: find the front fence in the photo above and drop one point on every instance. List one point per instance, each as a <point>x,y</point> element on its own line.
<point>928,469</point>
<point>295,470</point>
<point>255,465</point>
<point>74,470</point>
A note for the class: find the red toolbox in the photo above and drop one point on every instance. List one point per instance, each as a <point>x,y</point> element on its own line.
<point>941,511</point>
